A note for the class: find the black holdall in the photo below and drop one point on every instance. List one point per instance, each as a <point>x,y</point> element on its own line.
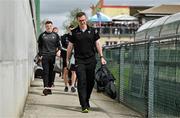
<point>100,79</point>
<point>38,69</point>
<point>110,90</point>
<point>105,81</point>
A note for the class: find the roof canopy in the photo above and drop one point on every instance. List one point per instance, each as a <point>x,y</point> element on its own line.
<point>162,9</point>
<point>124,18</point>
<point>100,17</point>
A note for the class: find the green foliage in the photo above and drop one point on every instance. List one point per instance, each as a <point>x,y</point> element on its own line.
<point>71,18</point>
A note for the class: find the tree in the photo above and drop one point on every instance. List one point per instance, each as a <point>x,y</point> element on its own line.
<point>71,18</point>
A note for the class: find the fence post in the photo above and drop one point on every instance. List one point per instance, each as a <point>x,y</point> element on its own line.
<point>122,50</point>
<point>151,81</point>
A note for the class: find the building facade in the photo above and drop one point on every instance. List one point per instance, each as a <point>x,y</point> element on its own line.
<point>119,31</point>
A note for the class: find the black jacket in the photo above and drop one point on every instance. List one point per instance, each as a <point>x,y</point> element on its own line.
<point>48,43</point>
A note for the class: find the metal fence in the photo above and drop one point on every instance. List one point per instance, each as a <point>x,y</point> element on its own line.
<point>148,75</point>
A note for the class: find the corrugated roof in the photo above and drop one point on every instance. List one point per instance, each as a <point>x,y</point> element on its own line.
<point>124,17</point>
<point>162,9</point>
<point>140,2</point>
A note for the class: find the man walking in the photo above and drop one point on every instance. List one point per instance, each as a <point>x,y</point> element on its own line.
<point>49,47</point>
<point>64,42</point>
<point>84,39</point>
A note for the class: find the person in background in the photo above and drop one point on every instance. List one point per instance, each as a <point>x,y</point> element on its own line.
<point>72,69</point>
<point>49,47</point>
<point>55,29</point>
<point>64,42</point>
<point>84,39</point>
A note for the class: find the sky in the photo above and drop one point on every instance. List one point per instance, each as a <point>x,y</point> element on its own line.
<point>57,10</point>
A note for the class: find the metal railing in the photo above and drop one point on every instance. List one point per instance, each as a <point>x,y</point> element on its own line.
<point>148,75</point>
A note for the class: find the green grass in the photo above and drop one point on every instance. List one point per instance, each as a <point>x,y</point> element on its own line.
<point>115,71</point>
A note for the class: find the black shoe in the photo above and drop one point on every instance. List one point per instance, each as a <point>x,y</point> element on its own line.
<point>73,89</point>
<point>49,91</point>
<point>45,92</point>
<point>85,110</point>
<point>66,89</point>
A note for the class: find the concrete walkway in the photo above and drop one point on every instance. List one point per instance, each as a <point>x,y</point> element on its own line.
<point>66,105</point>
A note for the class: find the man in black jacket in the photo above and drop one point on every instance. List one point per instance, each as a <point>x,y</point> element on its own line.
<point>84,39</point>
<point>49,47</point>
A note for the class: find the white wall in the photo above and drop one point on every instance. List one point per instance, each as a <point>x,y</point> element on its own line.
<point>17,50</point>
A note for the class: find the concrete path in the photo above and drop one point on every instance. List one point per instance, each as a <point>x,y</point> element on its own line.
<point>66,104</point>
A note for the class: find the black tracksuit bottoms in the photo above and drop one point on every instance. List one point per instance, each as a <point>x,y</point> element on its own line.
<point>48,73</point>
<point>86,77</point>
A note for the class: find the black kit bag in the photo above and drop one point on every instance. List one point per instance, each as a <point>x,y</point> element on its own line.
<point>105,81</point>
<point>110,90</point>
<point>38,69</point>
<point>101,82</point>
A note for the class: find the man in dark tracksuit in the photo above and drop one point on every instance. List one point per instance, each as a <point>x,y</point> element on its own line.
<point>49,47</point>
<point>84,40</point>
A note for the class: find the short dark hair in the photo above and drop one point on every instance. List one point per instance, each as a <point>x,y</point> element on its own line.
<point>55,28</point>
<point>79,14</point>
<point>71,26</point>
<point>48,22</point>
